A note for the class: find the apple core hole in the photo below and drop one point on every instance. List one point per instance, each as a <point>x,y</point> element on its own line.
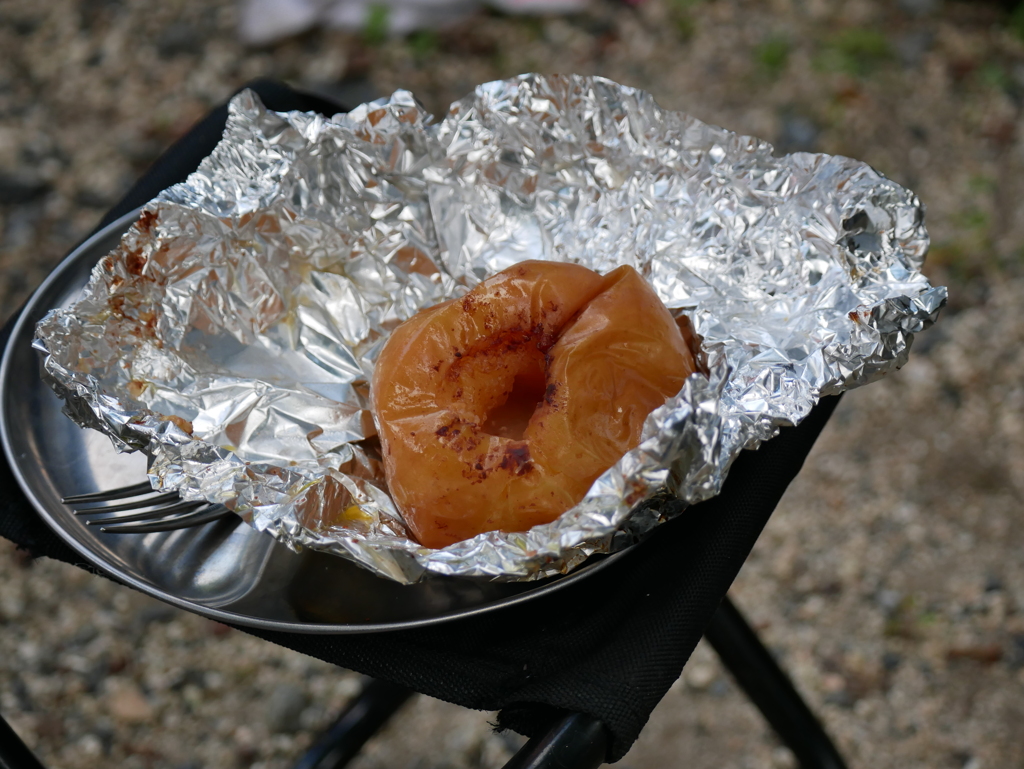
<point>510,417</point>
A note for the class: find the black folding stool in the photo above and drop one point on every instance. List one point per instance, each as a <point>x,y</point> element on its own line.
<point>729,525</point>
<point>578,741</point>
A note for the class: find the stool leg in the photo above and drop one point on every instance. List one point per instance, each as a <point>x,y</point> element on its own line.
<point>358,722</point>
<point>768,687</point>
<point>575,742</point>
<point>14,754</point>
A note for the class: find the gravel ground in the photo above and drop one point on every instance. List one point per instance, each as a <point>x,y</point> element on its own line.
<point>891,580</point>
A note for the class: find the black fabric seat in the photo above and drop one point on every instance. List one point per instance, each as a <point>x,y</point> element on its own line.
<point>607,648</point>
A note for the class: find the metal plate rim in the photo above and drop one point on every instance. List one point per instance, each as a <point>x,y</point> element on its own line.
<point>29,315</point>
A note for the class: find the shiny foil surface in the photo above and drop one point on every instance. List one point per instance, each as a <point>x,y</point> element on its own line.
<point>232,336</point>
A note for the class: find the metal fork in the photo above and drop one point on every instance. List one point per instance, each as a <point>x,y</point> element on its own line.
<point>155,511</point>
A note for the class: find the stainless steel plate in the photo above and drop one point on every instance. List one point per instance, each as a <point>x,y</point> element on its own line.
<point>224,570</point>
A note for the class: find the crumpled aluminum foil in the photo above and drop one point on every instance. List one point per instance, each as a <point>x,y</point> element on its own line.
<point>233,333</point>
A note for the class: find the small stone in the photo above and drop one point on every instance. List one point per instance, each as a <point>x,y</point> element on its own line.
<point>22,694</point>
<point>84,635</point>
<point>127,704</point>
<point>22,221</point>
<point>799,134</point>
<point>920,7</point>
<point>11,607</point>
<point>117,663</point>
<point>720,688</point>
<point>912,46</point>
<point>21,187</point>
<point>29,652</point>
<point>833,682</point>
<point>312,718</point>
<point>105,733</point>
<point>245,755</point>
<point>187,677</point>
<point>243,736</point>
<point>993,584</point>
<point>783,758</point>
<point>284,709</point>
<point>699,677</point>
<point>96,673</point>
<point>1015,656</point>
<point>50,729</point>
<point>986,654</point>
<point>213,680</point>
<point>158,612</point>
<point>177,39</point>
<point>841,698</point>
<point>92,198</point>
<point>889,600</point>
<point>90,745</point>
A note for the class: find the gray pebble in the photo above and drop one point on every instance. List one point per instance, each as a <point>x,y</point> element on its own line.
<point>841,698</point>
<point>179,38</point>
<point>720,687</point>
<point>106,734</point>
<point>187,677</point>
<point>155,612</point>
<point>96,673</point>
<point>22,221</point>
<point>83,635</point>
<point>21,186</point>
<point>312,718</point>
<point>889,600</point>
<point>920,7</point>
<point>21,693</point>
<point>1015,655</point>
<point>799,134</point>
<point>891,661</point>
<point>284,709</point>
<point>912,46</point>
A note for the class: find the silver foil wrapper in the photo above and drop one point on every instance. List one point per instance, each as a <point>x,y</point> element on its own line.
<point>232,335</point>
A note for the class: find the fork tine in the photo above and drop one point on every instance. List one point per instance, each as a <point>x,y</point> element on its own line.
<point>138,503</point>
<point>108,496</point>
<point>160,512</point>
<point>180,522</point>
<point>148,515</point>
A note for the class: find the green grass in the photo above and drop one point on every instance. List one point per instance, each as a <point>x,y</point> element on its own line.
<point>681,13</point>
<point>533,25</point>
<point>375,31</point>
<point>996,77</point>
<point>1016,21</point>
<point>422,44</point>
<point>909,620</point>
<point>981,184</point>
<point>856,51</point>
<point>771,56</point>
<point>974,221</point>
<point>970,254</point>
